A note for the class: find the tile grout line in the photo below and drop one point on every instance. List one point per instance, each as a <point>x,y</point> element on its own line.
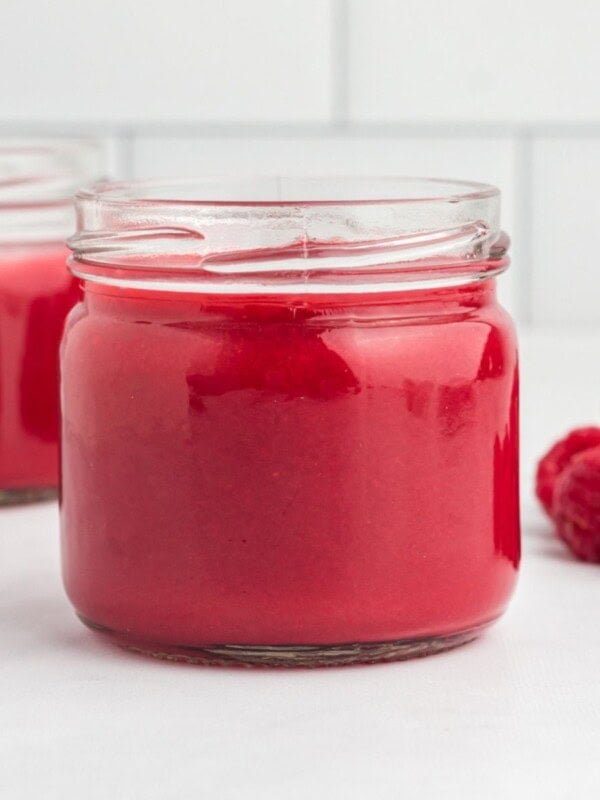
<point>340,64</point>
<point>126,138</point>
<point>241,129</point>
<point>523,177</point>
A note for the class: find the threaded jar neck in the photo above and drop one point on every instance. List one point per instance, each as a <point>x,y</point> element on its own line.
<point>287,235</point>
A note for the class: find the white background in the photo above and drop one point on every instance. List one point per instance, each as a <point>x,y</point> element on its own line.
<point>506,93</point>
<point>513,716</point>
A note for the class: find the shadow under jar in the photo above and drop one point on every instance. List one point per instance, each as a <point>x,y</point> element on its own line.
<point>290,427</point>
<point>37,181</point>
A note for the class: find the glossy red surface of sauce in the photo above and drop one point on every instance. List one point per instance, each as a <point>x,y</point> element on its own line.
<point>285,470</point>
<point>36,293</point>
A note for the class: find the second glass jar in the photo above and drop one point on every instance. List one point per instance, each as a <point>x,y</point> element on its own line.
<point>37,181</point>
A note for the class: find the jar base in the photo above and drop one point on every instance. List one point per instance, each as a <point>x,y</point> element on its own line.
<point>36,494</point>
<point>290,656</point>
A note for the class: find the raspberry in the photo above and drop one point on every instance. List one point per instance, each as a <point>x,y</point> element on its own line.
<point>558,458</point>
<point>576,506</point>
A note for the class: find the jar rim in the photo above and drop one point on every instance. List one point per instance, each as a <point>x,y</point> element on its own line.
<point>36,172</point>
<point>305,191</point>
<point>38,178</point>
<point>298,235</point>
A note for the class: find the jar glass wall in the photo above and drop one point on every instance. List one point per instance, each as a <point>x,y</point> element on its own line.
<point>290,430</point>
<point>37,180</point>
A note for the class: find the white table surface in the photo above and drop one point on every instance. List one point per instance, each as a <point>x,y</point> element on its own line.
<point>515,714</point>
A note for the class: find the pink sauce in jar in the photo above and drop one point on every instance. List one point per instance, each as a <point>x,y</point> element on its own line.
<point>37,291</point>
<point>36,294</point>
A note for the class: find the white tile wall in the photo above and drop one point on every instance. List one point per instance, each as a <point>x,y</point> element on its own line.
<point>474,60</point>
<point>181,60</point>
<point>565,226</point>
<point>506,93</point>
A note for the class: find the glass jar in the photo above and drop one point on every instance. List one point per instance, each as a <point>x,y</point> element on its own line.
<point>290,428</point>
<point>37,181</point>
